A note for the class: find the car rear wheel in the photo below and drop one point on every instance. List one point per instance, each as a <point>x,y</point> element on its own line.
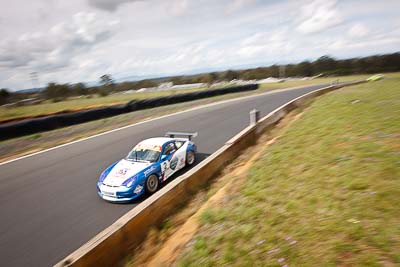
<point>190,158</point>
<point>152,184</point>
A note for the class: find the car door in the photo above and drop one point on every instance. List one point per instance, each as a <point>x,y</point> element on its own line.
<point>180,154</point>
<point>167,163</point>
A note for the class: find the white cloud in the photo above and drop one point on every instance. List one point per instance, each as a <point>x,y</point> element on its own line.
<point>266,44</point>
<point>109,5</point>
<point>237,5</point>
<point>55,49</point>
<point>179,7</point>
<point>358,31</point>
<point>319,15</point>
<point>369,43</point>
<point>71,44</point>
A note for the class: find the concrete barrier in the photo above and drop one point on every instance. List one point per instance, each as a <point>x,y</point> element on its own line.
<point>120,239</point>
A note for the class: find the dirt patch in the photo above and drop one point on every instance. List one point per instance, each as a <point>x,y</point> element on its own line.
<point>163,246</point>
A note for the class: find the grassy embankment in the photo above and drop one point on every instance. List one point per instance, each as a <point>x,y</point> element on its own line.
<point>83,103</point>
<point>325,194</point>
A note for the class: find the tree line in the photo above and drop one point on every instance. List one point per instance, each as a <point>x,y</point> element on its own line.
<point>325,65</point>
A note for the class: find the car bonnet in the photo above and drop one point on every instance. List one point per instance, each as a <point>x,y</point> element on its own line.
<point>124,170</point>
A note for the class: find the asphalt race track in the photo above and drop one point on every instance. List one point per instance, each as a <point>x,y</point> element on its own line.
<point>48,202</point>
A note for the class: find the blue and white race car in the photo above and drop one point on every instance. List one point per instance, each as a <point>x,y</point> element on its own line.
<point>147,165</point>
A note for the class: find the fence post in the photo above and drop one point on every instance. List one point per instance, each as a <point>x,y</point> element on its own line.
<point>254,116</point>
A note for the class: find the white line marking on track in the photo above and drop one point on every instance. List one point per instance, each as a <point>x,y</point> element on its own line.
<point>153,119</point>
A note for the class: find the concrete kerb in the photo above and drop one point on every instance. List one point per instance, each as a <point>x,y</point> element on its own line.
<point>118,240</point>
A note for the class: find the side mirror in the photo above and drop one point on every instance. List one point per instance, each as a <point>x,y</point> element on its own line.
<point>164,157</point>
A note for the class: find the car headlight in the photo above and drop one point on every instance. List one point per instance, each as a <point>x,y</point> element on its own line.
<point>131,181</point>
<point>102,176</point>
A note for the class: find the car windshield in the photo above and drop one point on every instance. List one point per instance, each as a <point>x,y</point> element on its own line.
<point>143,155</point>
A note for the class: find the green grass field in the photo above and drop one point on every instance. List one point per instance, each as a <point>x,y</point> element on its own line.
<point>49,107</point>
<point>96,101</point>
<point>325,194</point>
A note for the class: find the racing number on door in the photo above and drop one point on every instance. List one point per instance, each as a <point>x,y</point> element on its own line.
<point>169,165</point>
<point>165,165</point>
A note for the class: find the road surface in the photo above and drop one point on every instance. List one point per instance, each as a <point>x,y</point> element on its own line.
<point>48,202</point>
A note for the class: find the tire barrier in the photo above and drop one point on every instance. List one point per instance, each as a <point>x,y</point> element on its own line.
<point>35,125</point>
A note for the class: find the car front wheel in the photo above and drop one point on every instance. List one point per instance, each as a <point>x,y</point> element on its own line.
<point>152,184</point>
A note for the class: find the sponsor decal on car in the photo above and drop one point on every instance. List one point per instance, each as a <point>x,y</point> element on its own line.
<point>125,180</point>
<point>138,189</point>
<point>148,171</point>
<point>122,172</point>
<point>173,163</point>
<point>149,147</point>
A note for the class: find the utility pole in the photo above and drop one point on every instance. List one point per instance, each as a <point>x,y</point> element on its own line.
<point>34,79</point>
<point>282,70</point>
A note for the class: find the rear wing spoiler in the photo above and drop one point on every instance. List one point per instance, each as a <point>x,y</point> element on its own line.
<point>184,134</point>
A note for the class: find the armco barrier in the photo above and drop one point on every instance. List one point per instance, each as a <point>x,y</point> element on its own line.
<point>118,240</point>
<point>35,125</point>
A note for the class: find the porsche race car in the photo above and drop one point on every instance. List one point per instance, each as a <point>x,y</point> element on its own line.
<point>148,164</point>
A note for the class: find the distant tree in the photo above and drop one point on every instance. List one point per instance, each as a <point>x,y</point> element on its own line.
<point>178,80</point>
<point>56,91</point>
<point>209,78</point>
<point>106,80</point>
<point>80,89</point>
<point>246,75</point>
<point>124,86</point>
<point>107,85</point>
<point>229,75</point>
<point>345,67</point>
<point>391,62</point>
<point>104,92</point>
<point>290,70</point>
<point>145,84</point>
<point>4,96</point>
<point>325,64</point>
<point>304,69</point>
<point>274,71</point>
<point>195,79</point>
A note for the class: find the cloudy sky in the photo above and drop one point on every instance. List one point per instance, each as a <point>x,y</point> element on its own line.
<point>80,40</point>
